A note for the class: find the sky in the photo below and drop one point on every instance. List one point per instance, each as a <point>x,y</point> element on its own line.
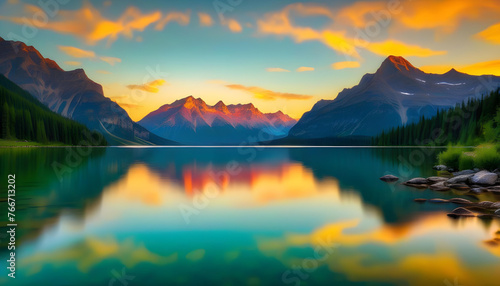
<point>279,55</point>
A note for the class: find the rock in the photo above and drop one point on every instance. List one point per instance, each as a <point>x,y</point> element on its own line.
<point>459,179</point>
<point>440,168</point>
<point>436,179</point>
<point>460,187</point>
<point>497,212</point>
<point>495,189</point>
<point>418,181</point>
<point>496,205</point>
<point>451,170</point>
<point>461,212</point>
<point>420,200</point>
<point>416,186</point>
<point>438,201</point>
<point>440,187</point>
<point>478,190</point>
<point>460,201</point>
<point>389,178</point>
<point>485,204</point>
<point>484,178</point>
<point>477,170</point>
<point>464,172</point>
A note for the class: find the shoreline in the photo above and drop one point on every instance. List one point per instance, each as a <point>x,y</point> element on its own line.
<point>468,183</point>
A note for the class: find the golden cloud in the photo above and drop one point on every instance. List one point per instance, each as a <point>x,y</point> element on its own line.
<point>89,24</point>
<point>205,19</point>
<point>281,23</point>
<point>393,47</point>
<point>152,86</point>
<point>76,52</point>
<point>73,63</point>
<point>110,60</point>
<point>491,34</point>
<point>276,70</point>
<point>79,53</point>
<point>345,65</point>
<point>178,17</point>
<point>233,25</point>
<point>103,72</point>
<point>264,94</point>
<point>481,68</point>
<point>444,15</point>
<point>305,69</point>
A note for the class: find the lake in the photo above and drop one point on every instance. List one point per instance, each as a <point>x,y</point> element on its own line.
<point>237,216</point>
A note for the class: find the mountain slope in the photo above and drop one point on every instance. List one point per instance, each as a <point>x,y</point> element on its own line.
<point>192,121</point>
<point>71,94</point>
<point>24,118</point>
<point>397,94</point>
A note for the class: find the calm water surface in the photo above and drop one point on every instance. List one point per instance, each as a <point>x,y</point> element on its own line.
<point>237,216</point>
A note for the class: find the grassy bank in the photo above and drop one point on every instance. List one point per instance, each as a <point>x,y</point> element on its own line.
<point>485,156</point>
<point>22,143</point>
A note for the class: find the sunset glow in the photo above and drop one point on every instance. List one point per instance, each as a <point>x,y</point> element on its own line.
<point>280,56</point>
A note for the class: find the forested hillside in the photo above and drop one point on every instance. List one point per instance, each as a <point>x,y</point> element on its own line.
<point>24,118</point>
<point>470,123</point>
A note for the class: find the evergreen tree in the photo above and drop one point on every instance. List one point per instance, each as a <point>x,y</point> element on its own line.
<point>469,123</point>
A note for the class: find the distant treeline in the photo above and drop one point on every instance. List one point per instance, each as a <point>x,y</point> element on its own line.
<point>24,118</point>
<point>470,123</point>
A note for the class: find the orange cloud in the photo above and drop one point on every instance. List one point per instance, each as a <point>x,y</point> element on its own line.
<point>152,87</point>
<point>345,65</point>
<point>276,70</point>
<point>233,25</point>
<point>205,19</point>
<point>281,23</point>
<point>491,34</point>
<point>110,60</point>
<point>356,13</point>
<point>446,15</point>
<point>79,53</point>
<point>73,63</point>
<point>264,94</point>
<point>103,72</point>
<point>482,68</point>
<point>178,17</point>
<point>76,52</point>
<point>305,69</point>
<point>89,24</point>
<point>393,47</point>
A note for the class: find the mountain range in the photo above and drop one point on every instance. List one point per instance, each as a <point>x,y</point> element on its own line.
<point>396,94</point>
<point>191,121</point>
<point>71,94</point>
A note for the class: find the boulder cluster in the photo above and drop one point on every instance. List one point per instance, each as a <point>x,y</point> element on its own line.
<point>468,181</point>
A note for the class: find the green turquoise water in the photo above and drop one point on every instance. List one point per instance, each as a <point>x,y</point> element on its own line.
<point>237,216</point>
